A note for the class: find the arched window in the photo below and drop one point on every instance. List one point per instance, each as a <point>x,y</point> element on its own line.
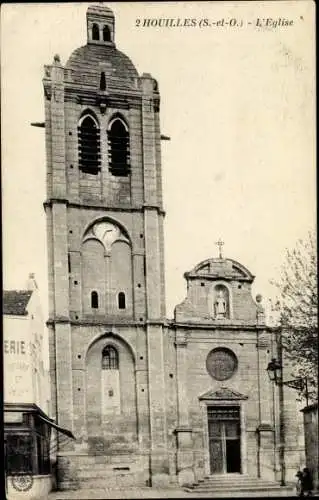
<point>94,300</point>
<point>95,32</point>
<point>89,146</point>
<point>110,358</point>
<point>119,153</point>
<point>121,300</point>
<point>106,34</point>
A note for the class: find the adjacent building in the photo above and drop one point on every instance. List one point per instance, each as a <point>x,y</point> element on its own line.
<point>151,401</point>
<point>26,390</point>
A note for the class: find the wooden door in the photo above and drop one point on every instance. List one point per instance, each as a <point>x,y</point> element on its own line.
<point>224,440</point>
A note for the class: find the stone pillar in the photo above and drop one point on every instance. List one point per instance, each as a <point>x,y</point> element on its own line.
<point>185,455</point>
<point>266,424</point>
<point>136,157</point>
<point>79,420</point>
<point>63,345</point>
<point>108,291</point>
<point>159,467</point>
<point>76,295</point>
<point>149,149</point>
<point>152,260</point>
<point>142,404</point>
<point>138,277</point>
<point>263,345</point>
<point>58,130</point>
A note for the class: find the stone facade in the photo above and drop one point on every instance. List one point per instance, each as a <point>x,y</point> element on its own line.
<point>135,388</point>
<point>26,374</point>
<point>310,416</point>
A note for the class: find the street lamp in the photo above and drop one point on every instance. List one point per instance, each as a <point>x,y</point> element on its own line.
<point>274,369</point>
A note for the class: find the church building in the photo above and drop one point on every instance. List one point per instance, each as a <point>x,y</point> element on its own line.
<point>150,401</point>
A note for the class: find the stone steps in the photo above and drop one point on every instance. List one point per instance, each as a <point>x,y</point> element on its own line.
<point>240,484</point>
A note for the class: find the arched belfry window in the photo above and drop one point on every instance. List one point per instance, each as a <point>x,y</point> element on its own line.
<point>118,144</point>
<point>110,358</point>
<point>106,34</point>
<point>95,32</point>
<point>89,145</point>
<point>94,300</point>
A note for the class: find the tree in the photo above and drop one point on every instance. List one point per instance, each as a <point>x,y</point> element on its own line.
<point>298,306</point>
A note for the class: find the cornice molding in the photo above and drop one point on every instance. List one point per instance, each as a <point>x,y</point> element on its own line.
<point>51,201</point>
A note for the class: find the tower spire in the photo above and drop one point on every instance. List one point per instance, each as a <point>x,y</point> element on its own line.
<point>100,25</point>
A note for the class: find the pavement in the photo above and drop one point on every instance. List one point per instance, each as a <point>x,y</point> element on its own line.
<point>132,493</point>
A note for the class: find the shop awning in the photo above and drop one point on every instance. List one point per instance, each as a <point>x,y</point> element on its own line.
<point>64,431</point>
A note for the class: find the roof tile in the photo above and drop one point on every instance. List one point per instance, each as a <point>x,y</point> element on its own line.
<point>15,302</point>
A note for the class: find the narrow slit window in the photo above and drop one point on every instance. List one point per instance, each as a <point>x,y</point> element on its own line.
<point>118,145</point>
<point>106,34</point>
<point>94,300</point>
<point>110,358</point>
<point>144,266</point>
<point>89,146</point>
<point>69,263</point>
<point>95,32</point>
<point>102,81</point>
<point>121,300</point>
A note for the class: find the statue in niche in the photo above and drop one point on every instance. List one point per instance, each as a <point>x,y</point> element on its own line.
<point>220,305</point>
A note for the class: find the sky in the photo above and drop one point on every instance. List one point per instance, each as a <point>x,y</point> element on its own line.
<point>238,103</point>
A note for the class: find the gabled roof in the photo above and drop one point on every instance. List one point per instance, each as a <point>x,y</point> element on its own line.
<point>15,302</point>
<point>224,393</point>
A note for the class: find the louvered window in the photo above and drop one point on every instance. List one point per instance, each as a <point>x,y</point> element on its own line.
<point>119,152</point>
<point>89,146</point>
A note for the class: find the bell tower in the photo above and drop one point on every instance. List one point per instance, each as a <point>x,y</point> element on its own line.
<point>105,252</point>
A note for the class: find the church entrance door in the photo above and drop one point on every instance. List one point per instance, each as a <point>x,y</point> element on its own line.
<point>224,439</point>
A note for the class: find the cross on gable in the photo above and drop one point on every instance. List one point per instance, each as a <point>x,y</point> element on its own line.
<point>220,244</point>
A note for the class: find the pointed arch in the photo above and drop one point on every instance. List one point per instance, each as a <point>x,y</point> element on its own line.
<point>91,231</point>
<point>117,116</point>
<point>113,338</point>
<point>112,405</point>
<point>89,112</point>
